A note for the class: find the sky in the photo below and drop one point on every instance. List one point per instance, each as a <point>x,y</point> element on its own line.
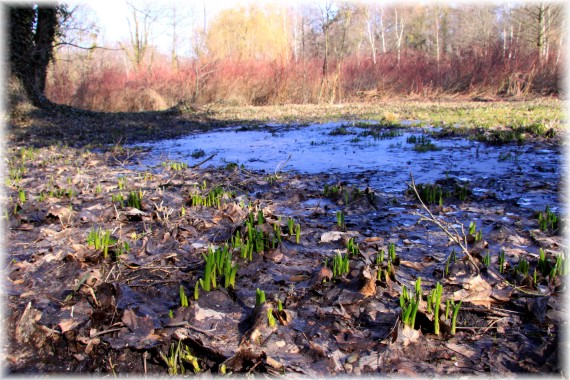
<point>113,14</point>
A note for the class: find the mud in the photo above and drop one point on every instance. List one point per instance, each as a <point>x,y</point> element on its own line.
<point>71,308</point>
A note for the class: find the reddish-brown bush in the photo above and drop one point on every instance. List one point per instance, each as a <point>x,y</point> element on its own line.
<point>103,83</point>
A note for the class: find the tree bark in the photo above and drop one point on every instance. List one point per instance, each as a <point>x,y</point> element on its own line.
<point>32,33</point>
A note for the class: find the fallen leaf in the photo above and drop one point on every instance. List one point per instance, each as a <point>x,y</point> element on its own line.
<point>475,290</point>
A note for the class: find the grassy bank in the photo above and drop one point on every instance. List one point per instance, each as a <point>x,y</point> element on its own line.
<point>534,118</point>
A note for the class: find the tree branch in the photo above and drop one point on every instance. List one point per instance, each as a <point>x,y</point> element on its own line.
<point>84,47</point>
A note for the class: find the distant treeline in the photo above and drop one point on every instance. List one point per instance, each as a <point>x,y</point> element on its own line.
<point>321,53</point>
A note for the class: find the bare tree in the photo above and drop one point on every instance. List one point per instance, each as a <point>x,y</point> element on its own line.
<point>541,21</point>
<point>140,23</point>
<point>399,32</point>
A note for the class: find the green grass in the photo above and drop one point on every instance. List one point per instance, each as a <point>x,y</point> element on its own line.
<point>456,117</point>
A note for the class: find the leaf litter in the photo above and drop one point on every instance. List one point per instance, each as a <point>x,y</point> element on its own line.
<point>71,307</point>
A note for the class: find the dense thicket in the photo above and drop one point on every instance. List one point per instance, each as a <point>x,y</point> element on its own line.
<point>322,52</point>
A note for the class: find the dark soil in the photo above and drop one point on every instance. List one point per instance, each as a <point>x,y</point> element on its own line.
<point>71,308</point>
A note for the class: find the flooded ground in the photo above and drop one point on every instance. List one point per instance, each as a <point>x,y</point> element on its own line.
<point>384,156</point>
<point>148,302</point>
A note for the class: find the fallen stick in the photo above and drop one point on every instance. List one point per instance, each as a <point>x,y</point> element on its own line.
<point>200,163</point>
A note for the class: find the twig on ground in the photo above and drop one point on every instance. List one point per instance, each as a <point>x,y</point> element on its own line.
<point>201,162</point>
<point>444,226</point>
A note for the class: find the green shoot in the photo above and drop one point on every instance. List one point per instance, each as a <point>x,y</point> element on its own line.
<point>177,357</point>
<point>183,297</point>
<point>436,305</point>
<point>522,267</point>
<point>22,195</point>
<point>291,225</point>
<point>487,259</point>
<point>134,199</point>
<point>100,240</point>
<point>197,289</point>
<point>259,297</point>
<point>501,261</point>
<point>392,253</point>
<point>472,228</point>
<point>172,359</point>
<point>454,317</point>
<point>352,247</point>
<point>121,182</point>
<point>279,306</point>
<point>340,265</point>
<point>270,318</point>
<point>409,306</point>
<point>297,233</point>
<point>340,218</point>
<point>547,220</point>
<point>542,264</point>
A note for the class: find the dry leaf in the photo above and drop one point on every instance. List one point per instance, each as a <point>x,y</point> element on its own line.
<point>475,290</point>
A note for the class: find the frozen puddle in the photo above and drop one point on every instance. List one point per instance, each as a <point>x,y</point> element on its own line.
<point>384,164</point>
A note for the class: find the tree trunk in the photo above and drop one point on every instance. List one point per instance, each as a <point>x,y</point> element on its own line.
<point>31,37</point>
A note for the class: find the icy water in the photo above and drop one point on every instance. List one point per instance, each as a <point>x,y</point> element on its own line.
<point>525,174</point>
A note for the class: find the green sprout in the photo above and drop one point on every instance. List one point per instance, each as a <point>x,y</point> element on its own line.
<point>352,247</point>
<point>199,283</point>
<point>487,259</point>
<point>547,220</point>
<point>279,306</point>
<point>134,199</point>
<point>456,307</point>
<point>174,165</point>
<point>340,218</point>
<point>522,267</point>
<point>392,253</point>
<point>259,297</point>
<point>179,354</point>
<point>561,265</point>
<point>277,232</point>
<point>118,198</point>
<point>297,233</point>
<point>183,297</point>
<point>121,182</point>
<point>340,265</point>
<point>22,196</point>
<point>434,299</point>
<point>472,228</point>
<point>542,264</point>
<point>409,304</point>
<point>291,225</point>
<point>379,257</point>
<point>270,318</point>
<point>501,261</point>
<point>100,240</point>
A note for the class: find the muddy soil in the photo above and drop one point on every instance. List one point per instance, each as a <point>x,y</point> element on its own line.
<point>142,306</point>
